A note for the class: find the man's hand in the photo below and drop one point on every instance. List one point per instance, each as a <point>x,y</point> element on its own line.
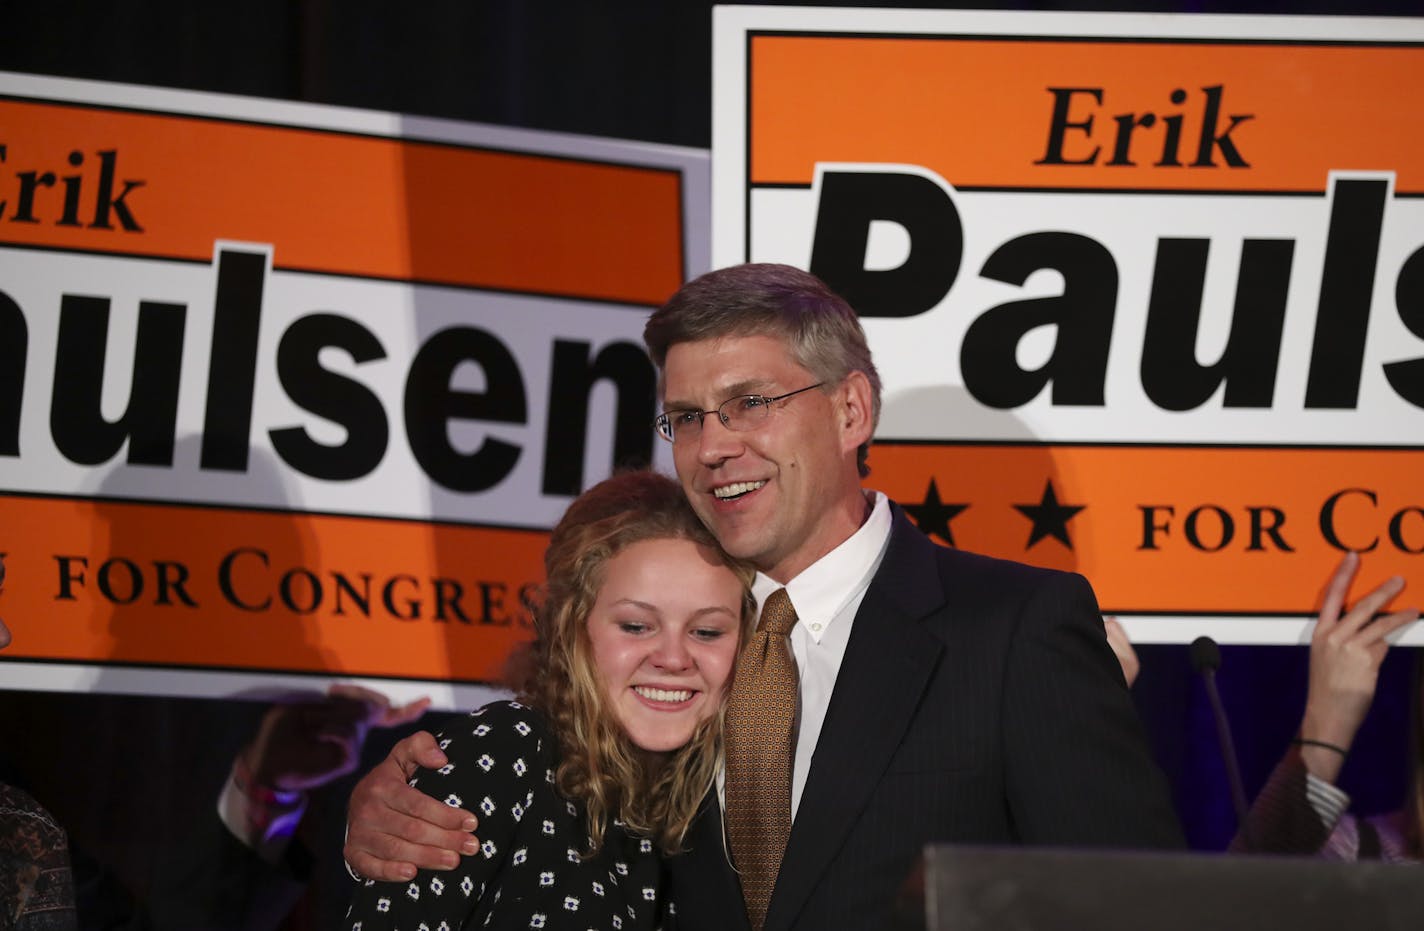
<point>1345,656</point>
<point>393,829</point>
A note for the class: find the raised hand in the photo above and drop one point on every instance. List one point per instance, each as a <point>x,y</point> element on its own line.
<point>305,744</point>
<point>1346,650</point>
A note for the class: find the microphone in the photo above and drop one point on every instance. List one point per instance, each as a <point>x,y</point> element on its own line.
<point>1206,656</point>
<point>1206,660</point>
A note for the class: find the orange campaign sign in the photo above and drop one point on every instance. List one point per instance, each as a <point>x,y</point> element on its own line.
<point>291,393</point>
<point>164,185</point>
<point>1146,292</point>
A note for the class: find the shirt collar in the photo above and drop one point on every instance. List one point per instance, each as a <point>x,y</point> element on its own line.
<point>827,585</point>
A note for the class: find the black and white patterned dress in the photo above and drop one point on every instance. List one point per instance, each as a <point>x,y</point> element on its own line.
<point>529,872</point>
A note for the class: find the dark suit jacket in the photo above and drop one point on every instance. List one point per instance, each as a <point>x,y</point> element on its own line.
<point>978,703</point>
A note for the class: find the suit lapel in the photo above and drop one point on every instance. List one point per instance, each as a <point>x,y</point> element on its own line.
<point>706,891</point>
<point>887,664</point>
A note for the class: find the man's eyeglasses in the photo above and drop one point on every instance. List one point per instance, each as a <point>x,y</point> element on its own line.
<point>744,412</point>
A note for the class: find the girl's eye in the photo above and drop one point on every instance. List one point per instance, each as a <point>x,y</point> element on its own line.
<point>709,633</point>
<point>632,627</point>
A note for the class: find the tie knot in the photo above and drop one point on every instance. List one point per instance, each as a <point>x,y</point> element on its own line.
<point>777,614</point>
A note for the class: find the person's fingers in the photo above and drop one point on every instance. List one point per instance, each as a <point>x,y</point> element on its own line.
<point>419,819</point>
<point>376,708</point>
<point>367,706</point>
<point>396,715</point>
<point>393,826</point>
<point>1381,628</point>
<point>1336,590</point>
<point>386,844</point>
<point>1366,608</point>
<point>388,858</point>
<point>417,750</point>
<point>384,790</point>
<point>1344,668</point>
<point>372,866</point>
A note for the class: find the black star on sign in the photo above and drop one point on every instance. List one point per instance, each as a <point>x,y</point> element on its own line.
<point>933,516</point>
<point>1050,519</point>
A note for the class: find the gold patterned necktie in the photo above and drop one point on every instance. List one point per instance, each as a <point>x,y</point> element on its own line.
<point>761,717</point>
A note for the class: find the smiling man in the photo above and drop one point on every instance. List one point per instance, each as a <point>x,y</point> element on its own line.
<point>766,482</point>
<point>897,693</point>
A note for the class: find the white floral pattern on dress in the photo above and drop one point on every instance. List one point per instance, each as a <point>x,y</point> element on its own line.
<point>530,872</point>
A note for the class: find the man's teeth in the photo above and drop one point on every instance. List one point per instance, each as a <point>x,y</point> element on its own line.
<point>673,695</point>
<point>736,488</point>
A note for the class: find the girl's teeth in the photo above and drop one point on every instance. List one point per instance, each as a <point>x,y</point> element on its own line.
<point>663,694</point>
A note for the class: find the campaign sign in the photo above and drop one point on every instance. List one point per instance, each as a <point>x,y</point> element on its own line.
<point>1146,292</point>
<point>295,391</point>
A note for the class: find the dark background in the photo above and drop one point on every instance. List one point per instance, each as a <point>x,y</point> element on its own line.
<point>637,69</point>
<point>632,69</point>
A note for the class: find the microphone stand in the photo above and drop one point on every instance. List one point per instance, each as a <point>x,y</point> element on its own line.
<point>1206,659</point>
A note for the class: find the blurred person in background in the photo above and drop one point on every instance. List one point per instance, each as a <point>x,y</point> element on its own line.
<point>1301,811</point>
<point>36,886</point>
<point>239,864</point>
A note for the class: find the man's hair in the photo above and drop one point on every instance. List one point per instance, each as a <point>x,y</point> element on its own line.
<point>819,328</point>
<point>598,763</point>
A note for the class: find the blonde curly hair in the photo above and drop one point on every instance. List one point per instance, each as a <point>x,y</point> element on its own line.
<point>599,765</point>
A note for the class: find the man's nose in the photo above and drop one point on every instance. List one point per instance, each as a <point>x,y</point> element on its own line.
<point>716,442</point>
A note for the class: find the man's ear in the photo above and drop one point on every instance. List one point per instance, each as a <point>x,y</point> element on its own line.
<point>856,411</point>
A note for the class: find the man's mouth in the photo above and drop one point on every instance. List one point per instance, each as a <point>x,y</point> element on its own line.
<point>735,490</point>
<point>672,696</point>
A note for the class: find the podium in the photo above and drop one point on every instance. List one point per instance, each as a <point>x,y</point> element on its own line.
<point>1021,889</point>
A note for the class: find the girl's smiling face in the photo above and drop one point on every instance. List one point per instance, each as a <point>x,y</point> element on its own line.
<point>664,636</point>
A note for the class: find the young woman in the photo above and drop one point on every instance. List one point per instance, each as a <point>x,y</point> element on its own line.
<point>601,764</point>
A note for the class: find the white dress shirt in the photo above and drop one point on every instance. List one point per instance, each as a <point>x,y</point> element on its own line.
<point>826,597</point>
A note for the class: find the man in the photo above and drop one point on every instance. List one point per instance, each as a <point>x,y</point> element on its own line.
<point>941,696</point>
